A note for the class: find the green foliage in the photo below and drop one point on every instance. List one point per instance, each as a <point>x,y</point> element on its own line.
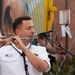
<point>45,73</point>
<point>67,68</point>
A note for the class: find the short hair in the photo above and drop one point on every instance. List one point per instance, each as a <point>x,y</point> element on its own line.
<point>18,22</point>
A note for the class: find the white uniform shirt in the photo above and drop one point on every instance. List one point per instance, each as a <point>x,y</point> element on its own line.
<point>11,62</point>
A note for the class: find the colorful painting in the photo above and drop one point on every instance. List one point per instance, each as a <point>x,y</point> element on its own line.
<point>38,10</point>
<point>11,9</point>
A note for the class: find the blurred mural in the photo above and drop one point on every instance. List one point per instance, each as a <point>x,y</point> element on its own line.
<point>41,11</point>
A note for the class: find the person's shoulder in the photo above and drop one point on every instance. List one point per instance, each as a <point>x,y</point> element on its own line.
<point>38,47</point>
<point>5,48</point>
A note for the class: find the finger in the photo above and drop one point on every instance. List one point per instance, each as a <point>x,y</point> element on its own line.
<point>1,37</point>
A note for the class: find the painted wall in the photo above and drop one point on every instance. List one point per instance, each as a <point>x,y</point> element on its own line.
<point>41,12</point>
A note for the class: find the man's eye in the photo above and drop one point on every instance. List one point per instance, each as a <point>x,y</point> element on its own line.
<point>29,28</point>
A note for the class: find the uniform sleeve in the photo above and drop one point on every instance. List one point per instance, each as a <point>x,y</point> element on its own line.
<point>0,62</point>
<point>43,55</point>
<point>0,66</point>
<point>1,52</point>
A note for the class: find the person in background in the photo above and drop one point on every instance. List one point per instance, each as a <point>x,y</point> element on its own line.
<point>35,42</point>
<point>60,52</point>
<point>42,40</point>
<point>21,57</point>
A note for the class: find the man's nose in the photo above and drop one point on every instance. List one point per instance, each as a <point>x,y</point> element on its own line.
<point>33,31</point>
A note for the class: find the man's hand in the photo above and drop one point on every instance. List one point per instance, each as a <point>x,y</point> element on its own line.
<point>2,42</point>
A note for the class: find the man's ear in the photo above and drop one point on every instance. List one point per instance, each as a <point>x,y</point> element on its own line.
<point>18,31</point>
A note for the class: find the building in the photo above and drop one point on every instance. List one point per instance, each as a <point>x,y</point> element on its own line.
<point>69,43</point>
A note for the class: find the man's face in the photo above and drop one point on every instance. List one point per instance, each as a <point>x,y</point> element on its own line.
<point>27,29</point>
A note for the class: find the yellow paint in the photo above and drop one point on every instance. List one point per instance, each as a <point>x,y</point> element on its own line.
<point>40,14</point>
<point>48,19</point>
<point>29,1</point>
<point>45,14</point>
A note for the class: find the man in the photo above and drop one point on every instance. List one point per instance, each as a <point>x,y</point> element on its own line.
<point>11,60</point>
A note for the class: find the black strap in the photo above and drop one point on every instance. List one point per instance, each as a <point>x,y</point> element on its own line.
<point>23,55</point>
<point>25,65</point>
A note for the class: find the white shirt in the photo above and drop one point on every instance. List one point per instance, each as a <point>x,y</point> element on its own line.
<point>11,62</point>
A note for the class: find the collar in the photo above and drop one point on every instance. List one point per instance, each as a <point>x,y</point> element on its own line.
<point>28,46</point>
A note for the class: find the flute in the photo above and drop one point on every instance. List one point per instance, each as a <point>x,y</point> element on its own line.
<point>23,38</point>
<point>6,39</point>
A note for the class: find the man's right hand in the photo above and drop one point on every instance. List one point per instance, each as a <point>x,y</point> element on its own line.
<point>2,42</point>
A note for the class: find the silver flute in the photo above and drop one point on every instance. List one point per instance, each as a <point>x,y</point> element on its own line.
<point>6,39</point>
<point>23,38</point>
